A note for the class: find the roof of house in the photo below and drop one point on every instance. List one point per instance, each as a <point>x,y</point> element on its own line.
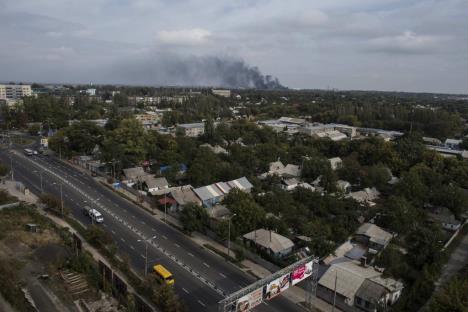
<point>371,291</point>
<point>152,182</point>
<point>276,166</point>
<point>291,170</point>
<point>133,173</point>
<point>208,192</point>
<point>453,141</point>
<point>192,125</point>
<point>185,195</point>
<point>241,183</point>
<point>335,160</point>
<point>375,233</point>
<point>215,149</point>
<point>289,182</point>
<point>224,187</point>
<point>270,240</point>
<point>292,120</point>
<point>348,276</point>
<point>366,195</point>
<point>444,215</point>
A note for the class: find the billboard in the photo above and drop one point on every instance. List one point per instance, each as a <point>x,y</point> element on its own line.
<point>250,301</point>
<point>301,272</point>
<point>274,288</point>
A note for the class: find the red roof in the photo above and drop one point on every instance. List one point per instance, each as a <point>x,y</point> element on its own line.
<point>167,200</point>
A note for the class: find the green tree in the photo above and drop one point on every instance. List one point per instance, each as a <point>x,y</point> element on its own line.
<point>165,298</point>
<point>453,297</point>
<point>249,215</point>
<point>194,218</point>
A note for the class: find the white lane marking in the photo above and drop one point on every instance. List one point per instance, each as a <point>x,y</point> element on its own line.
<point>105,225</point>
<point>143,222</point>
<point>224,276</point>
<point>206,264</point>
<point>204,305</point>
<point>177,245</point>
<point>185,290</point>
<point>190,254</point>
<point>123,240</point>
<point>164,236</point>
<point>133,216</point>
<point>143,256</point>
<point>132,247</point>
<point>113,232</point>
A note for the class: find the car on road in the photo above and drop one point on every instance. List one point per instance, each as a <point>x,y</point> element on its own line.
<point>96,216</point>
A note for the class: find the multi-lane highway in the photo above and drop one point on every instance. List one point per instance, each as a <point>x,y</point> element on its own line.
<point>202,277</point>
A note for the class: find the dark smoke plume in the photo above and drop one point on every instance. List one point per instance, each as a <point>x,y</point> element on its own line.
<point>168,69</point>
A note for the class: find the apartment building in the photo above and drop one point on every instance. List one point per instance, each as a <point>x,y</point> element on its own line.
<point>14,91</point>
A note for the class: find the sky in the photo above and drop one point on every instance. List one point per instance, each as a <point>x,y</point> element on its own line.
<point>393,45</point>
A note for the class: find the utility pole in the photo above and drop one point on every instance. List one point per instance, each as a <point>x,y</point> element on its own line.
<point>61,199</point>
<point>229,233</point>
<point>146,252</point>
<point>165,208</point>
<point>11,169</point>
<point>334,292</point>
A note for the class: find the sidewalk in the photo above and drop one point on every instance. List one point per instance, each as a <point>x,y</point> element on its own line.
<point>11,188</point>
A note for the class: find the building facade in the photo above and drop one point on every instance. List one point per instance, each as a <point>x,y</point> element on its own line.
<point>14,91</point>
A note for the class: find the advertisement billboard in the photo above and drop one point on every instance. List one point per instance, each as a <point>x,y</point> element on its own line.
<point>274,288</point>
<point>301,272</point>
<point>250,301</point>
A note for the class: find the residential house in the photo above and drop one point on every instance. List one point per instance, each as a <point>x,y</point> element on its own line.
<point>221,92</point>
<point>132,175</point>
<point>178,197</point>
<point>343,186</point>
<point>366,196</point>
<point>354,287</point>
<point>289,184</point>
<point>445,218</point>
<point>378,293</point>
<point>270,242</point>
<point>288,171</point>
<point>242,184</point>
<point>155,186</point>
<point>209,195</point>
<point>432,141</point>
<point>191,129</point>
<point>372,236</point>
<point>215,149</point>
<point>452,143</point>
<point>335,163</point>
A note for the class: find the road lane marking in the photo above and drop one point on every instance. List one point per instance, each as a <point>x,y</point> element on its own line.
<point>143,222</point>
<point>113,232</point>
<point>190,254</point>
<point>204,305</point>
<point>143,256</point>
<point>224,276</point>
<point>164,236</point>
<point>131,246</point>
<point>185,290</point>
<point>177,245</point>
<point>123,240</point>
<point>206,264</point>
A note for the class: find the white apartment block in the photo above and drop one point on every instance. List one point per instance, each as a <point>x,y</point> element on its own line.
<point>14,91</point>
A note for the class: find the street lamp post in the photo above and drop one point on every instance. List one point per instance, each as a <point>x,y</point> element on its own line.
<point>229,233</point>
<point>146,252</point>
<point>61,199</point>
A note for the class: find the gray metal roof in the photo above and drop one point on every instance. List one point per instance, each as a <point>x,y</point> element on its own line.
<point>208,192</point>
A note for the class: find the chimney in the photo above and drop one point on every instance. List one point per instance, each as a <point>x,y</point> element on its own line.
<point>364,262</point>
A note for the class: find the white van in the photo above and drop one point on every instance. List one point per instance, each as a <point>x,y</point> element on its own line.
<point>95,215</point>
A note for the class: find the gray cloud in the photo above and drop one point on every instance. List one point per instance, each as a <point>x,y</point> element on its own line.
<point>358,44</point>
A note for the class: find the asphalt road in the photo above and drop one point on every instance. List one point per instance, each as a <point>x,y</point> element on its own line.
<point>202,278</point>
